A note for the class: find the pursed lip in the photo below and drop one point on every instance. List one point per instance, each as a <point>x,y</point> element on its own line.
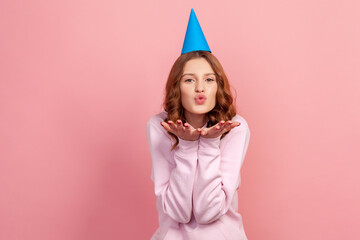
<point>200,96</point>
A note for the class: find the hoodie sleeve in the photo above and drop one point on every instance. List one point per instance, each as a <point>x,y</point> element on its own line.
<point>173,174</point>
<point>219,173</point>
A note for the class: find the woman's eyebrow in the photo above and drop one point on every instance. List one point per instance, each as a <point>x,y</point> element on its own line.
<point>193,74</point>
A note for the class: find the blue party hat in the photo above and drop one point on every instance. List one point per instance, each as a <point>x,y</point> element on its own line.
<point>194,37</point>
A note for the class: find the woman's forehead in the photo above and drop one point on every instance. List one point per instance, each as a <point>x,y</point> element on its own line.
<point>195,74</point>
<point>198,66</point>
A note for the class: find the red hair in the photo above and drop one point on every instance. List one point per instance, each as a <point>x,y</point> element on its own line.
<point>225,107</point>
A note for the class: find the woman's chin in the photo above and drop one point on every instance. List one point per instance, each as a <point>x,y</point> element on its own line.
<point>199,111</point>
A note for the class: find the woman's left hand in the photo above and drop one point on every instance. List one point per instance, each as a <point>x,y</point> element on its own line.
<point>218,129</point>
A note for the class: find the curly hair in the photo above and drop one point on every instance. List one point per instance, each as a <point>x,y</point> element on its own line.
<point>224,109</point>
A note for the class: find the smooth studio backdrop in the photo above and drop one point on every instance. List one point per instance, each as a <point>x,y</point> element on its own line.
<point>80,79</point>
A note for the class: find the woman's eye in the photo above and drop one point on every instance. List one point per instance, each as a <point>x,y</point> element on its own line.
<point>210,79</point>
<point>188,80</point>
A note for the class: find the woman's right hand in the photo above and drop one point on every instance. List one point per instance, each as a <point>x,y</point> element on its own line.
<point>181,131</point>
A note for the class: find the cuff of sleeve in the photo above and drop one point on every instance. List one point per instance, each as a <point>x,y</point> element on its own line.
<point>209,143</point>
<point>188,147</point>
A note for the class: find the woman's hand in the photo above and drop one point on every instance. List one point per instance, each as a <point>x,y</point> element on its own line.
<point>182,131</point>
<point>218,129</point>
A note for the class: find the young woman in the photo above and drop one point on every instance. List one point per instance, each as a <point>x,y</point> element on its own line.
<point>197,144</point>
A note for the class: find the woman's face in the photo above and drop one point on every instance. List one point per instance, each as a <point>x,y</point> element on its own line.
<point>198,87</point>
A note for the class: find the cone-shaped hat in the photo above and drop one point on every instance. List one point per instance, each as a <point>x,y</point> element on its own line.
<point>194,37</point>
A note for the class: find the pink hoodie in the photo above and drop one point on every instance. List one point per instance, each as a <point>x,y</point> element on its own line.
<point>196,183</point>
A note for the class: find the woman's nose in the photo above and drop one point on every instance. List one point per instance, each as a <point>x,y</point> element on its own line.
<point>199,87</point>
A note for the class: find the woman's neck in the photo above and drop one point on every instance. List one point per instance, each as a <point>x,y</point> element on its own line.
<point>196,120</point>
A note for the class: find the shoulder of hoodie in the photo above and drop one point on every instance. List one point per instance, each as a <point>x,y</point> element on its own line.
<point>154,123</point>
<point>243,124</point>
<point>157,118</point>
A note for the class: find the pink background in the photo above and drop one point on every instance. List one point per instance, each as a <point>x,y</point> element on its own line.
<point>80,79</point>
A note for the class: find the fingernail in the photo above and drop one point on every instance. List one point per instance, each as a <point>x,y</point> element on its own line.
<point>178,121</point>
<point>161,124</point>
<point>169,122</point>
